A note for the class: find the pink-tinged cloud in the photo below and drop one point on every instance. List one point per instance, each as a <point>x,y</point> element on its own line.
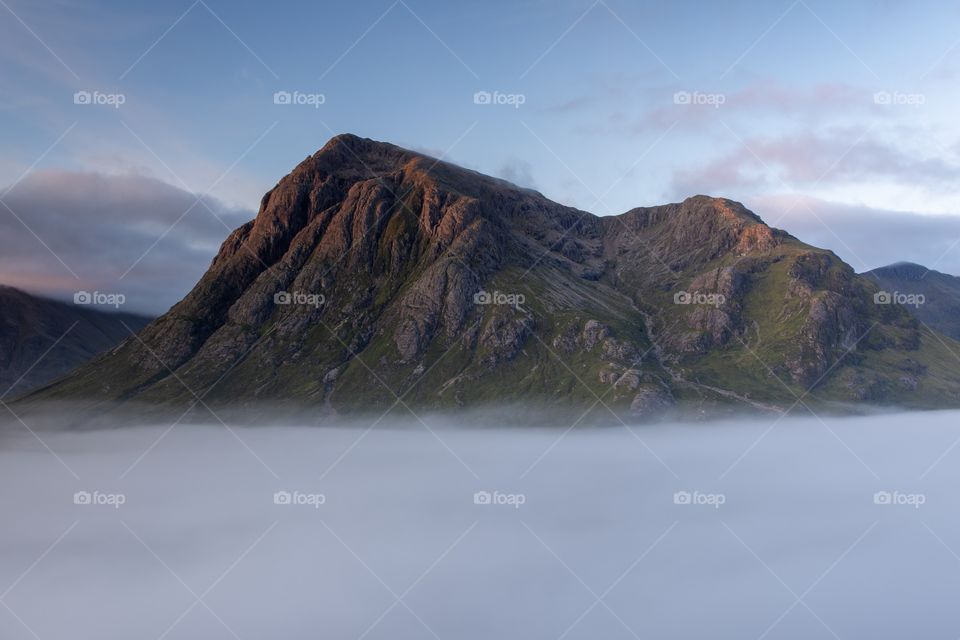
<point>659,108</point>
<point>761,99</point>
<point>807,159</point>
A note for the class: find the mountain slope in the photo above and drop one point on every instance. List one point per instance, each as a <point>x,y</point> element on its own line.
<point>442,287</point>
<point>940,306</point>
<point>41,339</point>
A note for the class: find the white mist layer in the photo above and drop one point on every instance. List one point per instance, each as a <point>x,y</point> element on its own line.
<point>799,547</point>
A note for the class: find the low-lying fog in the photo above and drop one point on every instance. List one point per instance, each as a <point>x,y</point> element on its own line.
<point>846,527</point>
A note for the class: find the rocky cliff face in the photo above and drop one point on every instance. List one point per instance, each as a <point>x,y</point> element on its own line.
<point>373,276</point>
<point>41,340</point>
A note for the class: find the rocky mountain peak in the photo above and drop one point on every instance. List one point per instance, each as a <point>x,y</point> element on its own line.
<point>370,157</point>
<point>371,269</point>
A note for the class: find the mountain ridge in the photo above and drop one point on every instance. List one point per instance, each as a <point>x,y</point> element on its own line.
<point>940,306</point>
<point>42,339</point>
<point>693,304</point>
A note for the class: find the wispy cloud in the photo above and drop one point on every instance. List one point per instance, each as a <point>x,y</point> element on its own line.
<point>517,171</point>
<point>839,155</point>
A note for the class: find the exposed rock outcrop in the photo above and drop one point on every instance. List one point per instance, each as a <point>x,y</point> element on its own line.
<point>372,272</point>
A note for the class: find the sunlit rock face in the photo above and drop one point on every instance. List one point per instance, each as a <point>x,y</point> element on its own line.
<point>373,273</point>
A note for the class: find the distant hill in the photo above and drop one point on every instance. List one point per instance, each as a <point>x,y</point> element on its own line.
<point>940,309</point>
<point>41,340</point>
<point>374,275</point>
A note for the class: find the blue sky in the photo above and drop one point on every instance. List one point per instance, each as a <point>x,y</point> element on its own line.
<point>833,120</point>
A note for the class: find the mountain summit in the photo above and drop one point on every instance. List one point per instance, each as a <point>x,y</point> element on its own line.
<point>373,275</point>
<point>937,295</point>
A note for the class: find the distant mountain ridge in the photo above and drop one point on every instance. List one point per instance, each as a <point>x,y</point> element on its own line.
<point>374,276</point>
<point>940,309</point>
<point>41,339</point>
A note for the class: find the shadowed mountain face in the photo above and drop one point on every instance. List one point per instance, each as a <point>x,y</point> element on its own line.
<point>41,340</point>
<point>940,305</point>
<point>374,276</point>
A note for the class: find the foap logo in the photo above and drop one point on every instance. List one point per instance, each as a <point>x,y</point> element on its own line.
<point>314,300</point>
<point>99,298</point>
<point>497,297</point>
<point>497,98</point>
<point>696,498</point>
<point>101,99</point>
<point>898,499</point>
<point>899,99</point>
<point>99,499</point>
<point>297,98</point>
<point>699,99</point>
<point>299,499</point>
<point>495,498</point>
<point>698,297</point>
<point>896,297</point>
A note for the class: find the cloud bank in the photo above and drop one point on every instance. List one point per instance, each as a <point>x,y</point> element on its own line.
<point>864,237</point>
<point>844,514</point>
<point>64,231</point>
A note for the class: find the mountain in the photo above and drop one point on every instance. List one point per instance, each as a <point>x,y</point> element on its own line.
<point>375,276</point>
<point>41,339</point>
<point>939,307</point>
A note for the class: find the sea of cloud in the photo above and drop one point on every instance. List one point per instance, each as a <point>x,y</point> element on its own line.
<point>750,528</point>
